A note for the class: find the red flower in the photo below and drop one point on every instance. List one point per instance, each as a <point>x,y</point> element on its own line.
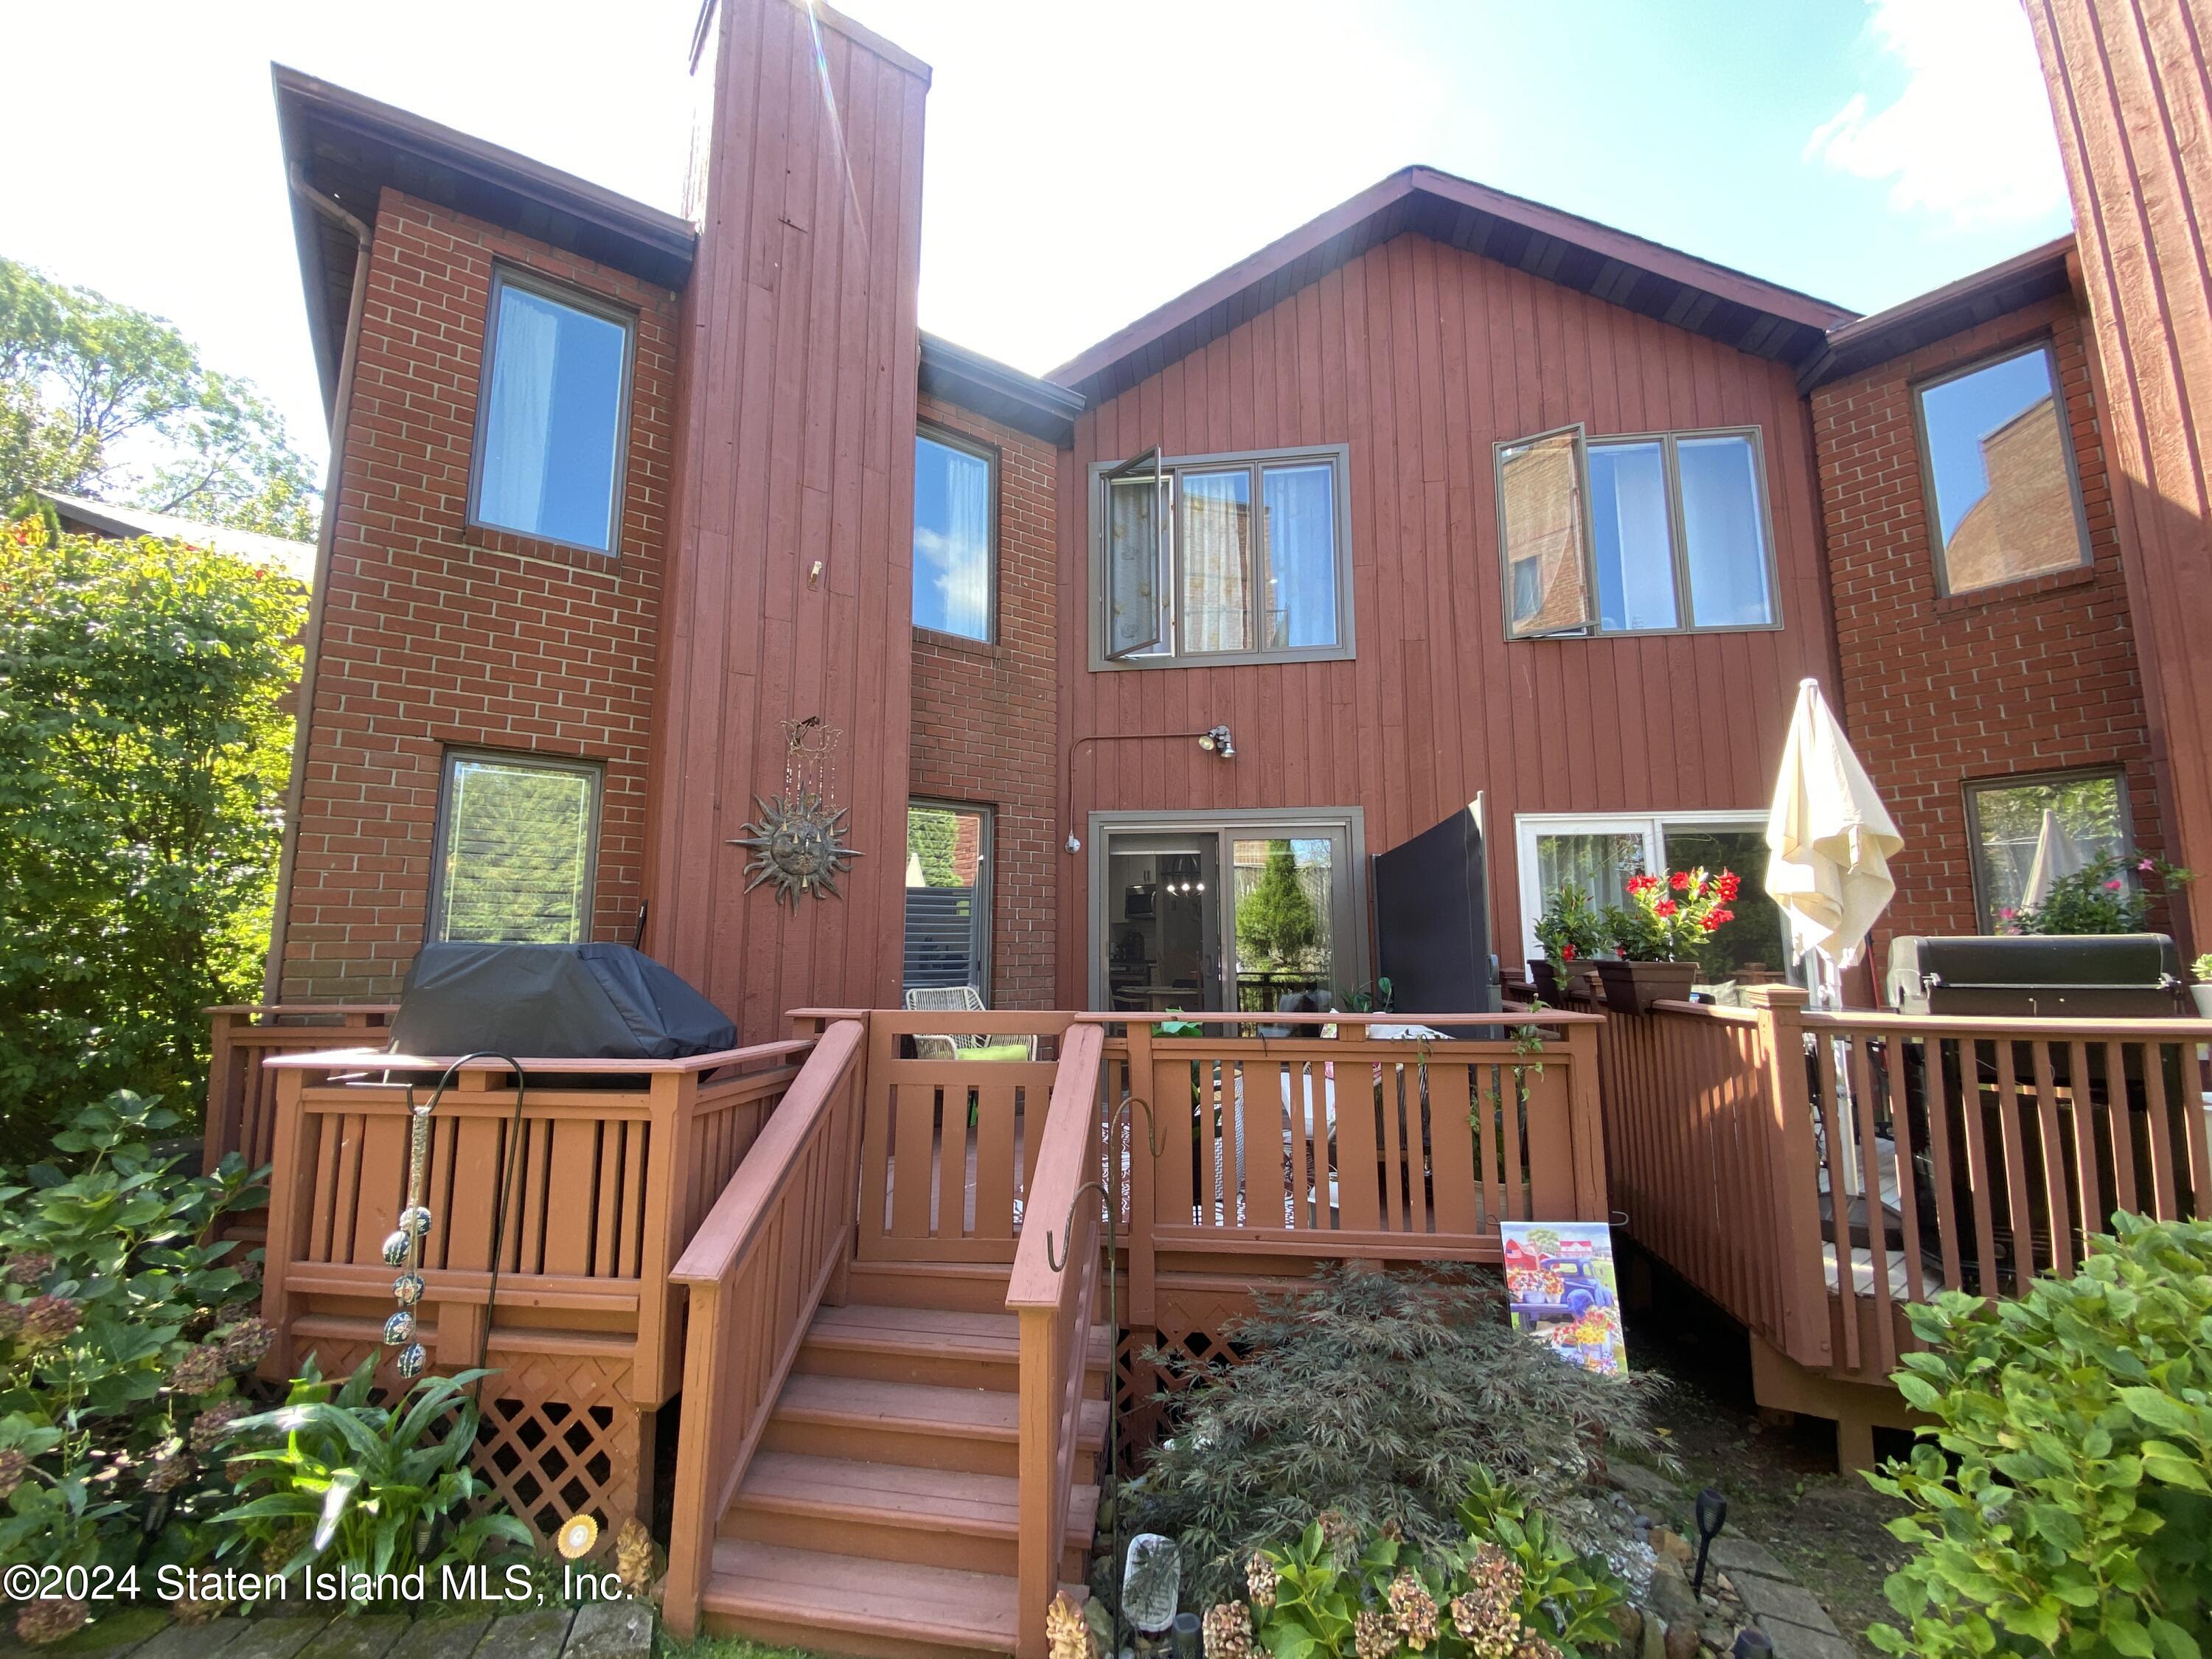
<point>1716,920</point>
<point>1665,907</point>
<point>1566,953</point>
<point>1731,882</point>
<point>1642,883</point>
<point>1682,881</point>
<point>2112,885</point>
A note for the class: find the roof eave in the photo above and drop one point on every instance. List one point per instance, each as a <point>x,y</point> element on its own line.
<point>977,383</point>
<point>2009,285</point>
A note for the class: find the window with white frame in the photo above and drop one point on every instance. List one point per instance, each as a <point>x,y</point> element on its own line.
<point>1221,558</point>
<point>1655,533</point>
<point>1599,851</point>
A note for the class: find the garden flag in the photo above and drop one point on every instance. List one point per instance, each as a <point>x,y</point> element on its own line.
<point>1559,1278</point>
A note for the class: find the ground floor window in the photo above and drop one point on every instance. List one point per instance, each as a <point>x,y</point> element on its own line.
<point>1598,852</point>
<point>2070,818</point>
<point>517,841</point>
<point>1215,912</point>
<point>948,905</point>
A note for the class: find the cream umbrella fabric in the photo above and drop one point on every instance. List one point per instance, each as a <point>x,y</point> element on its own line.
<point>2057,854</point>
<point>1829,837</point>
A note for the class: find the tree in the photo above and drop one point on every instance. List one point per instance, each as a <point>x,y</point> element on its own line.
<point>144,746</point>
<point>1275,921</point>
<point>930,835</point>
<point>102,399</point>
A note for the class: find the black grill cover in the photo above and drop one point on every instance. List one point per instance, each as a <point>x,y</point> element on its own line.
<point>553,1002</point>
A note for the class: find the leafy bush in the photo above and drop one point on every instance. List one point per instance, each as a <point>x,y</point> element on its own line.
<point>1379,1395</point>
<point>361,1488</point>
<point>1508,1589</point>
<point>1572,926</point>
<point>2106,895</point>
<point>143,751</point>
<point>123,1327</point>
<point>2060,1505</point>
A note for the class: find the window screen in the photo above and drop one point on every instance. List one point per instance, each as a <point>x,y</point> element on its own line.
<point>516,851</point>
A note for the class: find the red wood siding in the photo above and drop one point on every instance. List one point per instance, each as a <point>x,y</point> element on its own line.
<point>2032,675</point>
<point>2129,85</point>
<point>795,444</point>
<point>1420,357</point>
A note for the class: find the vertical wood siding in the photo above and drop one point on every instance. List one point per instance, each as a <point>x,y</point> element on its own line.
<point>2129,86</point>
<point>795,443</point>
<point>1420,357</point>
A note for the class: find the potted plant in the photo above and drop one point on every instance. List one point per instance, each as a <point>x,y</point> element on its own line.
<point>1572,932</point>
<point>1659,932</point>
<point>2202,991</point>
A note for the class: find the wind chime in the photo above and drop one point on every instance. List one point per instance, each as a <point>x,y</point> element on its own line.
<point>404,1249</point>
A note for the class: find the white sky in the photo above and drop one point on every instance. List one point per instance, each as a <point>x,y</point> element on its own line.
<point>1086,160</point>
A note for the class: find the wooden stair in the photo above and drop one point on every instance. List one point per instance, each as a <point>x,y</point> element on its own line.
<point>878,1515</point>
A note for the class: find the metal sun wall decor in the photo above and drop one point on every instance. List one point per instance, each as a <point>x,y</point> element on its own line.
<point>797,843</point>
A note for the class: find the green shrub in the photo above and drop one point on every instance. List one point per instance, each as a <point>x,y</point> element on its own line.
<point>2060,1504</point>
<point>361,1488</point>
<point>1379,1395</point>
<point>123,1325</point>
<point>1508,1586</point>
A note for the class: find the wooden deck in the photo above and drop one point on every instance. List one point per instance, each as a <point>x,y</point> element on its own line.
<point>1814,1174</point>
<point>881,1283</point>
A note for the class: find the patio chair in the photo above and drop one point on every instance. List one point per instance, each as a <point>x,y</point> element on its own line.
<point>958,999</point>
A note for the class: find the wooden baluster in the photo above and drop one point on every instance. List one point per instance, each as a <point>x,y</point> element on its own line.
<point>1979,1170</point>
<point>2160,1126</point>
<point>2060,1210</point>
<point>1789,1126</point>
<point>2019,1204</point>
<point>2084,1141</point>
<point>1586,1123</point>
<point>1877,1213</point>
<point>1900,1129</point>
<point>2118,1124</point>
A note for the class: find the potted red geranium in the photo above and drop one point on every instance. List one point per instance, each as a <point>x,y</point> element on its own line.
<point>1659,932</point>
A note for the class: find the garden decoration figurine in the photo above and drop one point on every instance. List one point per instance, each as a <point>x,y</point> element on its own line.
<point>798,840</point>
<point>1660,933</point>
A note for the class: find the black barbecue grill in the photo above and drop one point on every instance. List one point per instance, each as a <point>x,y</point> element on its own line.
<point>2039,976</point>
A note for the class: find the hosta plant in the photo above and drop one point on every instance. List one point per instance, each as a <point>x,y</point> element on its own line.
<point>2060,1502</point>
<point>359,1487</point>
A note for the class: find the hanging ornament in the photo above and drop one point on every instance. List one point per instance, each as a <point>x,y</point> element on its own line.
<point>404,1246</point>
<point>797,841</point>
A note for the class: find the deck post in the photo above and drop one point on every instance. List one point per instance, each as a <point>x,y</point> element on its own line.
<point>1586,1125</point>
<point>1806,1336</point>
<point>219,1126</point>
<point>288,1224</point>
<point>1142,1133</point>
<point>659,1357</point>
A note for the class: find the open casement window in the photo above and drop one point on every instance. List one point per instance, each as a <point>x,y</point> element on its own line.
<point>1136,535</point>
<point>1544,531</point>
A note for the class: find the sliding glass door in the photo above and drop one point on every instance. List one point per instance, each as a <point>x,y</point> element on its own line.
<point>1207,914</point>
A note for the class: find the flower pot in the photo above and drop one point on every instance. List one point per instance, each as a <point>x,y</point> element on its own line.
<point>2202,995</point>
<point>1632,987</point>
<point>1545,979</point>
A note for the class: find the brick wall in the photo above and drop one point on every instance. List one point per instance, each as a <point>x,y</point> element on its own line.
<point>983,714</point>
<point>2033,676</point>
<point>437,634</point>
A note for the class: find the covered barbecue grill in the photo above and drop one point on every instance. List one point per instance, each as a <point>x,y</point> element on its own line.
<point>2037,976</point>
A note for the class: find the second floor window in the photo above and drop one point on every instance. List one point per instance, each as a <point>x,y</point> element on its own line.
<point>1645,534</point>
<point>955,538</point>
<point>1221,558</point>
<point>551,422</point>
<point>1999,462</point>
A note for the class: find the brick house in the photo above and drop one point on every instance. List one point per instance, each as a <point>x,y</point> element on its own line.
<point>1444,495</point>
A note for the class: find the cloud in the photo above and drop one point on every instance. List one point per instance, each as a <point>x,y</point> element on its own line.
<point>1969,139</point>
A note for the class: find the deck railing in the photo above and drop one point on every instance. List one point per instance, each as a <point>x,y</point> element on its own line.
<point>767,1254</point>
<point>241,1097</point>
<point>1051,1293</point>
<point>1803,1170</point>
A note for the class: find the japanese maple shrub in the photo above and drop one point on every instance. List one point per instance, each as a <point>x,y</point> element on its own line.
<point>2060,1501</point>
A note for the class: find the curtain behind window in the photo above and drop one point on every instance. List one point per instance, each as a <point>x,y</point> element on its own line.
<point>518,427</point>
<point>1216,513</point>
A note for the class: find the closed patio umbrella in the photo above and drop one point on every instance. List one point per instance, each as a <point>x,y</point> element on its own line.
<point>2057,854</point>
<point>1829,840</point>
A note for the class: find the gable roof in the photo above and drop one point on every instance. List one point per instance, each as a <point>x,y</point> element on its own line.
<point>2006,286</point>
<point>109,519</point>
<point>347,148</point>
<point>1758,316</point>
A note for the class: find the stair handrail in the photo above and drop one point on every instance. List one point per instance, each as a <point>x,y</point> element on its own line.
<point>797,1187</point>
<point>1050,1292</point>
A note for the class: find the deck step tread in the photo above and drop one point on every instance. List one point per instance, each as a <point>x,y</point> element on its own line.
<point>845,1592</point>
<point>936,1330</point>
<point>918,1408</point>
<point>898,1494</point>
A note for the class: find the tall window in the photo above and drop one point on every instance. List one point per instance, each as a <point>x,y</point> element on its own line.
<point>1221,557</point>
<point>1598,852</point>
<point>1999,463</point>
<point>1633,535</point>
<point>948,904</point>
<point>518,841</point>
<point>955,509</point>
<point>550,426</point>
<point>2067,820</point>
